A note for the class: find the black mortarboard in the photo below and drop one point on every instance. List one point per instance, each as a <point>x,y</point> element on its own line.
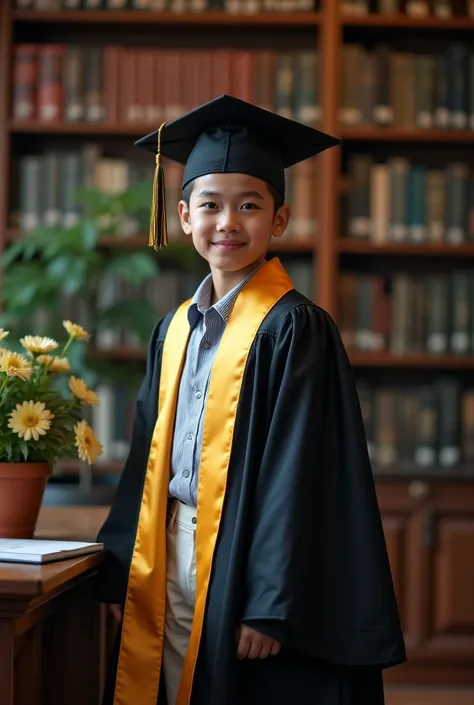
<point>228,135</point>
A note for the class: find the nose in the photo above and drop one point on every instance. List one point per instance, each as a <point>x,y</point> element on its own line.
<point>228,221</point>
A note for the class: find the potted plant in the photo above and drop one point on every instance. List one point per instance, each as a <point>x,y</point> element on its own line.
<point>41,421</point>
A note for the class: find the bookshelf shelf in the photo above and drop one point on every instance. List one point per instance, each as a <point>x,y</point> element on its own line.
<point>406,22</point>
<point>72,467</point>
<point>301,19</point>
<point>289,245</point>
<point>371,134</point>
<point>121,353</point>
<point>451,362</point>
<point>97,129</point>
<point>442,250</point>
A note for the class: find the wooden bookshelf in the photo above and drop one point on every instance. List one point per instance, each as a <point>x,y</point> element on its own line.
<point>368,134</point>
<point>358,359</point>
<point>360,247</point>
<point>220,19</point>
<point>400,21</point>
<point>441,362</point>
<point>72,467</point>
<point>98,129</point>
<point>428,517</point>
<point>289,245</point>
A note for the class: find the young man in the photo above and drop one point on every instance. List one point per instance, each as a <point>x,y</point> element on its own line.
<point>245,544</point>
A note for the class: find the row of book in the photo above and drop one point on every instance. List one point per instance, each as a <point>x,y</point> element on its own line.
<point>442,9</point>
<point>47,186</point>
<point>419,428</point>
<point>170,288</point>
<point>409,313</point>
<point>172,285</point>
<point>399,201</point>
<point>390,88</point>
<point>228,6</point>
<point>121,85</point>
<point>408,429</point>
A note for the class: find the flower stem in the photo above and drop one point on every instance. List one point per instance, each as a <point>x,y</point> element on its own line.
<point>4,383</point>
<point>67,346</point>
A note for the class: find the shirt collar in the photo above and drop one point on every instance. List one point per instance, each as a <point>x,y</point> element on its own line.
<point>201,300</point>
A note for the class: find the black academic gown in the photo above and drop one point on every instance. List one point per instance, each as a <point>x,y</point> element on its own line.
<point>300,545</point>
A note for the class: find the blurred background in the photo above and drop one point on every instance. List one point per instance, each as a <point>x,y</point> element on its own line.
<point>382,236</point>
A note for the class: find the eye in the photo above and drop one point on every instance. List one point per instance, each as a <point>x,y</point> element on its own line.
<point>208,205</point>
<point>249,206</point>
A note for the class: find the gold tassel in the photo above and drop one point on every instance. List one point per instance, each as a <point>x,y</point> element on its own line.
<point>158,237</point>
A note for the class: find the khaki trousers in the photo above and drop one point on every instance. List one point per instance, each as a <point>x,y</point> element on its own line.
<point>180,592</point>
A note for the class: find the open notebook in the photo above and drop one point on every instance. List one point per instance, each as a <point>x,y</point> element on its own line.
<point>39,551</point>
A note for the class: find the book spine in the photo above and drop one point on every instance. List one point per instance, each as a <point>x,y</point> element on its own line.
<point>50,83</point>
<point>73,84</point>
<point>93,85</point>
<point>449,442</point>
<point>25,71</point>
<point>459,339</point>
<point>457,71</point>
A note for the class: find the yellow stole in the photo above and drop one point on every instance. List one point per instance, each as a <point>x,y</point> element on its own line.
<point>141,648</point>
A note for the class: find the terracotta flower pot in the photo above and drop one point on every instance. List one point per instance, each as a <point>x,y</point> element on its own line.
<point>22,488</point>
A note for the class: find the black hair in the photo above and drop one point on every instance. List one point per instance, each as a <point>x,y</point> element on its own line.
<point>278,201</point>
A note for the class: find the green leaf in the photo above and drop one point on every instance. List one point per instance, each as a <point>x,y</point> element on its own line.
<point>137,315</point>
<point>89,234</point>
<point>24,448</point>
<point>135,267</point>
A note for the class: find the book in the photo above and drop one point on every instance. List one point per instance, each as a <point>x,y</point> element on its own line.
<point>38,551</point>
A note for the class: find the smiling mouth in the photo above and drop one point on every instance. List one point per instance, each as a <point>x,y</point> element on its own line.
<point>228,245</point>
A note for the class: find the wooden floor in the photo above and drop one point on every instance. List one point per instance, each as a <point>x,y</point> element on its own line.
<point>429,696</point>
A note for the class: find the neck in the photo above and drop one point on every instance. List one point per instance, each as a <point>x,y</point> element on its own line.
<point>223,282</point>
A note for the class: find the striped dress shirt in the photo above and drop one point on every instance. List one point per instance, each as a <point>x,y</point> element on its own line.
<point>207,325</point>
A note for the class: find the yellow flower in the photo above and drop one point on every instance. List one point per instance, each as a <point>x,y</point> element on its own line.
<point>88,446</point>
<point>54,364</point>
<point>30,420</point>
<point>79,388</point>
<point>15,365</point>
<point>3,333</point>
<point>76,331</point>
<point>37,344</point>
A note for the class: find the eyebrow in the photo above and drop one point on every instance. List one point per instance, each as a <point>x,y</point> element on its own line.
<point>242,194</point>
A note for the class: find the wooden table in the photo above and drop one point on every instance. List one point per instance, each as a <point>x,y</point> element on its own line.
<point>50,633</point>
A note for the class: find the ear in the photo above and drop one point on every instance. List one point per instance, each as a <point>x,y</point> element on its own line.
<point>184,216</point>
<point>281,220</point>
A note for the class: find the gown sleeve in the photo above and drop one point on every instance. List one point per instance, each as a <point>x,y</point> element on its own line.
<point>119,529</point>
<point>317,559</point>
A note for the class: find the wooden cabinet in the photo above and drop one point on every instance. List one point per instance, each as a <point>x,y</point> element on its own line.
<point>52,633</point>
<point>429,529</point>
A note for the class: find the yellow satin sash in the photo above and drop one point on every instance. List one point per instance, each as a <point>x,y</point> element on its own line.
<point>141,648</point>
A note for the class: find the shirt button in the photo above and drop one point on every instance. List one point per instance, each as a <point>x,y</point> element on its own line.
<point>186,473</point>
<point>198,395</point>
<point>194,520</point>
<point>206,346</point>
<point>190,436</point>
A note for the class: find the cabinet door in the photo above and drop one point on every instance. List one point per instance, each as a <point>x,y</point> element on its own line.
<point>430,541</point>
<point>451,582</point>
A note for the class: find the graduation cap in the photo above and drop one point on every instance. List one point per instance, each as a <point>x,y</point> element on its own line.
<point>228,135</point>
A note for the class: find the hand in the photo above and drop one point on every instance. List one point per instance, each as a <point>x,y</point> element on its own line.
<point>253,644</point>
<point>117,612</point>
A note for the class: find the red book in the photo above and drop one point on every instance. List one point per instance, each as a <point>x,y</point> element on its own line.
<point>50,83</point>
<point>25,73</point>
